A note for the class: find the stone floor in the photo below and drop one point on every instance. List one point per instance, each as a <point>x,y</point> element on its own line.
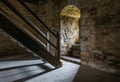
<point>71,59</point>
<point>25,68</point>
<point>30,69</point>
<point>87,74</point>
<point>17,71</point>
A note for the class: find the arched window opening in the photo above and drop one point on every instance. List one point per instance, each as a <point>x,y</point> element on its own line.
<point>70,16</point>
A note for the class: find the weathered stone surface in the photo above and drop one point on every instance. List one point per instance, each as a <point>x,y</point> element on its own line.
<point>70,11</point>
<point>51,19</point>
<point>100,33</point>
<point>101,37</point>
<point>69,33</point>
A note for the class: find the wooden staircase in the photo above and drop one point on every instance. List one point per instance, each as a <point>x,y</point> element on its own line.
<point>21,25</point>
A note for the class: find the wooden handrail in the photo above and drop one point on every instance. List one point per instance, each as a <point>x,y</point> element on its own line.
<point>31,25</point>
<point>35,28</point>
<point>57,36</point>
<point>20,26</point>
<point>37,18</point>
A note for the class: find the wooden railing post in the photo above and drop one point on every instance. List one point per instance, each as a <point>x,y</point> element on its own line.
<point>58,64</point>
<point>48,45</point>
<point>58,45</point>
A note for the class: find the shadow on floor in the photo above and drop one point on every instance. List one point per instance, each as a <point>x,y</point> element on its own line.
<point>23,73</point>
<point>88,74</point>
<point>19,68</point>
<point>46,68</point>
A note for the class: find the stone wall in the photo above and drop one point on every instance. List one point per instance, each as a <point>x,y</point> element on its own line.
<point>100,33</point>
<point>48,11</point>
